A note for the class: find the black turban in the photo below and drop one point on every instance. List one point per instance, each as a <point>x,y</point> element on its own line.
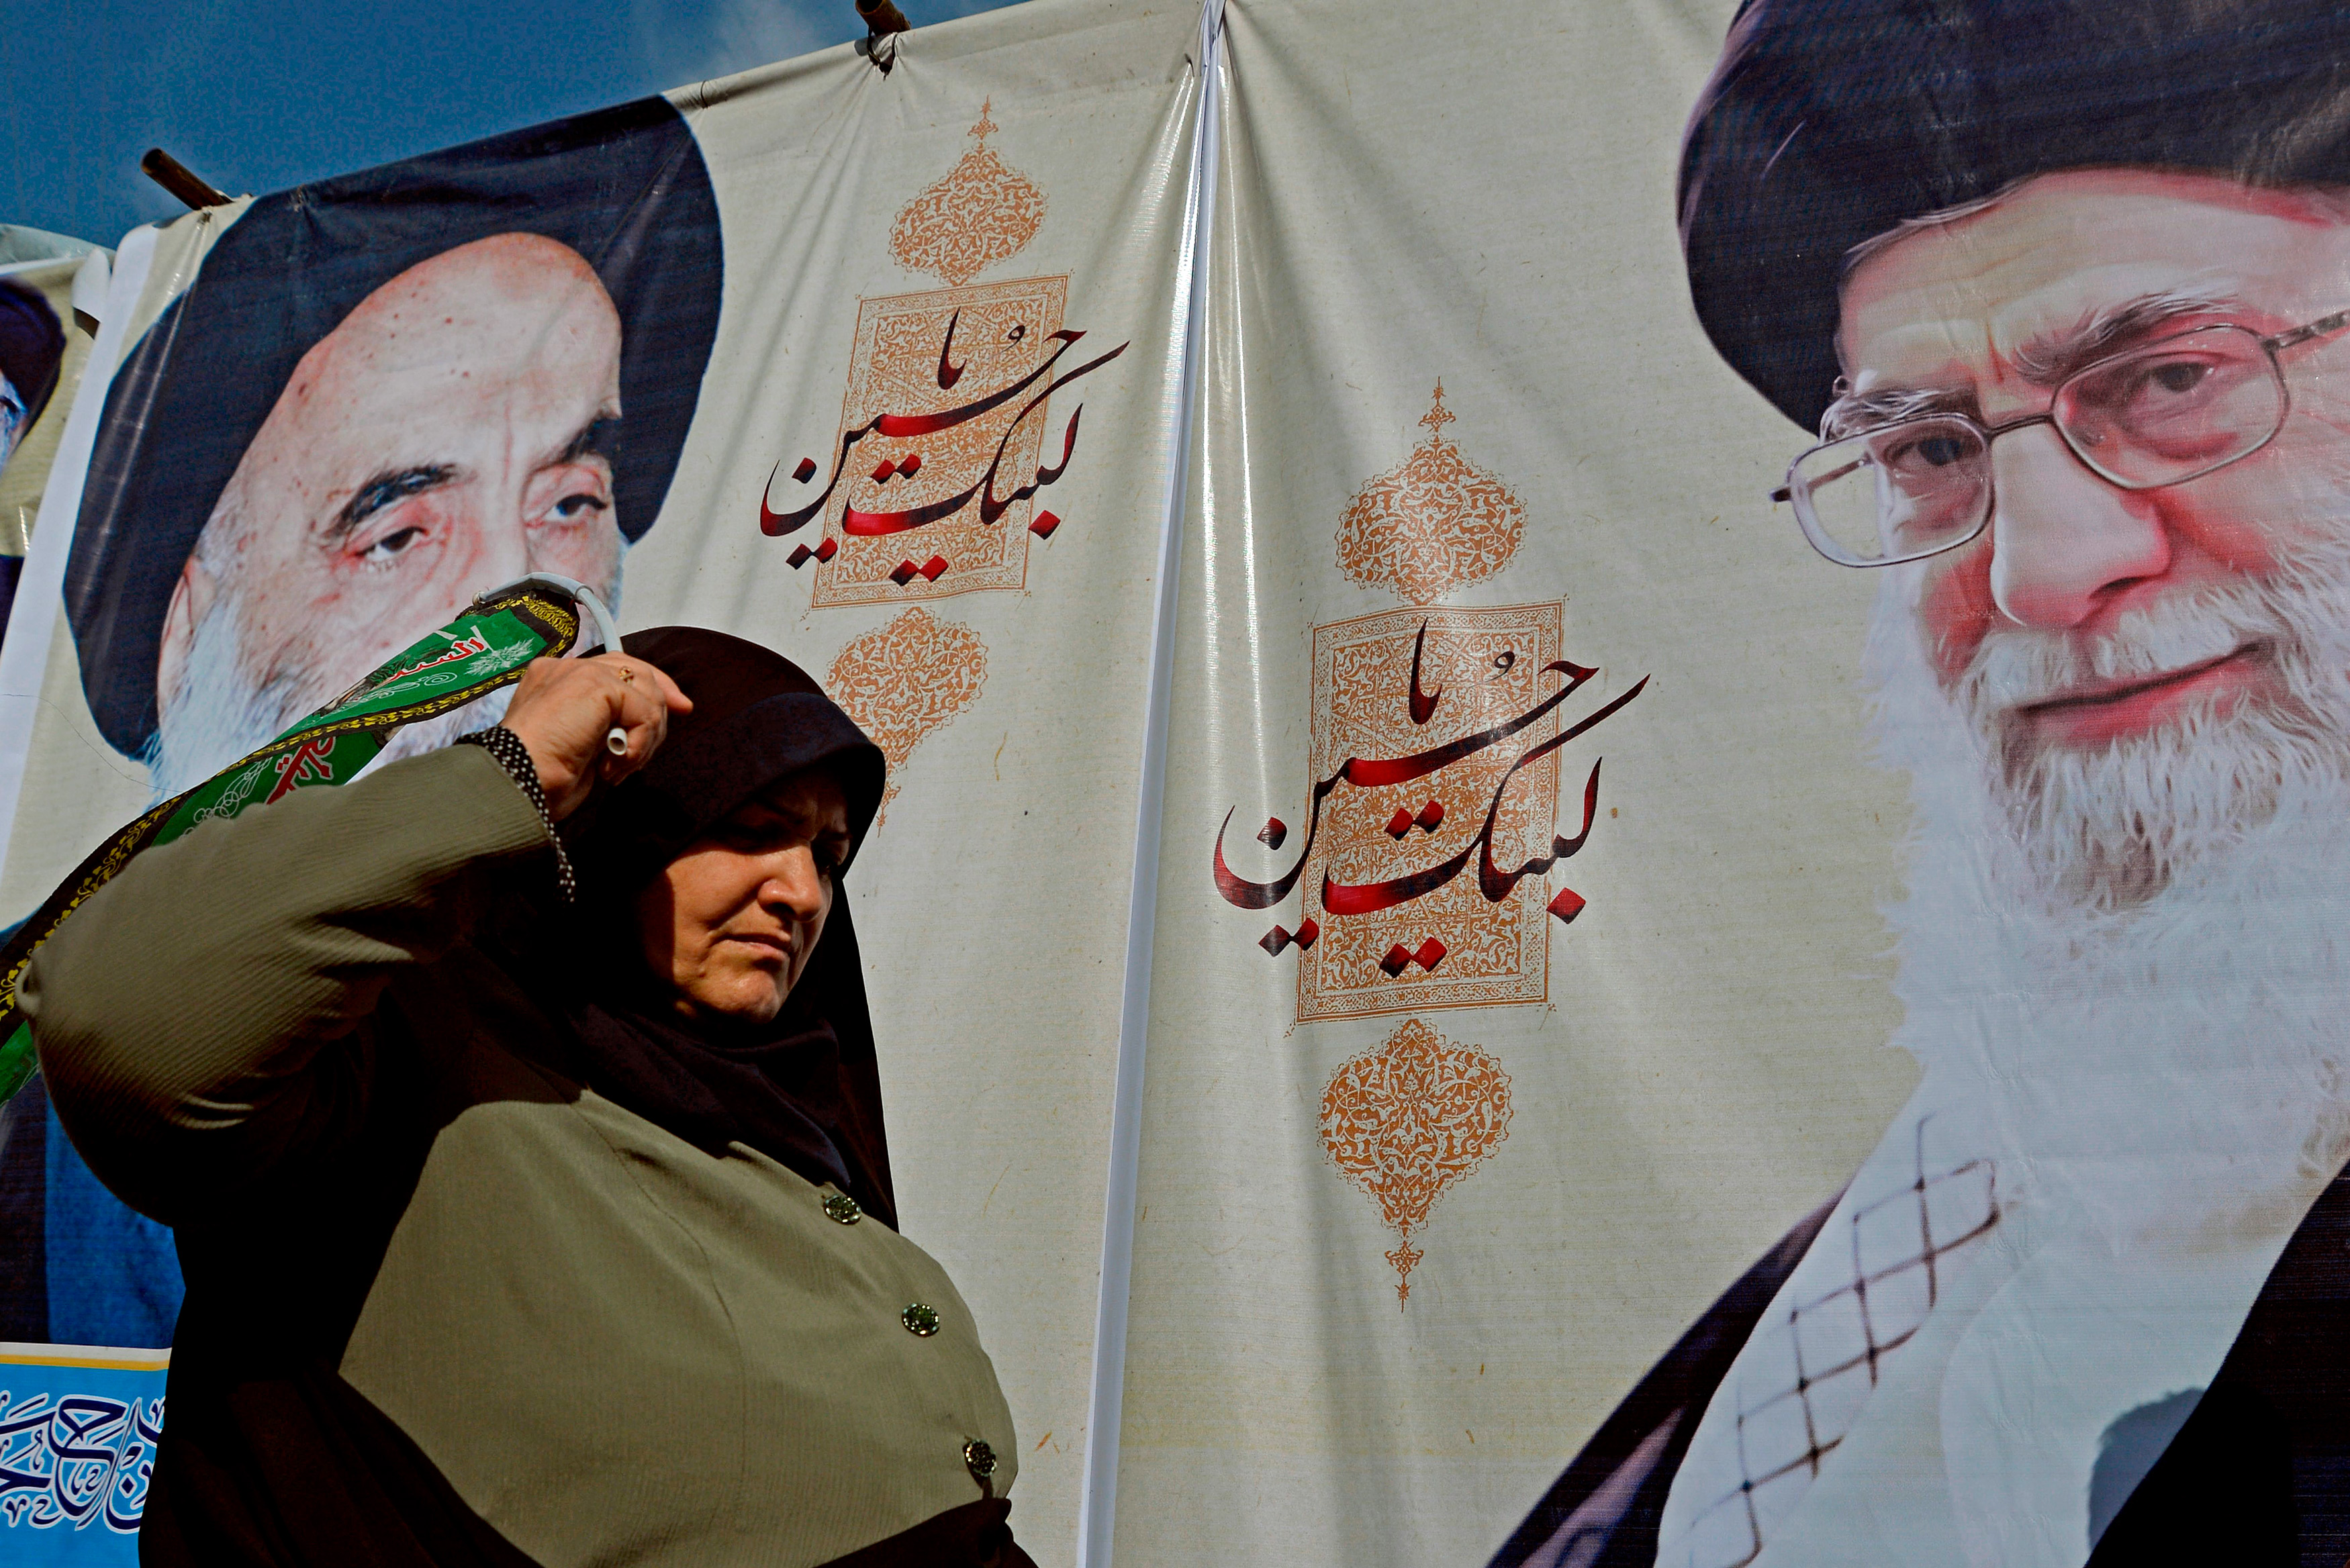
<point>1829,121</point>
<point>32,347</point>
<point>625,187</point>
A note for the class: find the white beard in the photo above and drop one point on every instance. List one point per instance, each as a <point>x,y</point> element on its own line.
<point>2127,975</point>
<point>220,711</point>
<point>2087,934</point>
<point>223,711</point>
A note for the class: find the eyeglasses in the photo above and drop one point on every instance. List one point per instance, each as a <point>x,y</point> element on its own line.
<point>2162,413</point>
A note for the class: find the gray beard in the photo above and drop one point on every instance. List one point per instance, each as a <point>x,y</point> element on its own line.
<point>2122,972</point>
<point>2131,962</point>
<point>222,712</point>
<point>2111,828</point>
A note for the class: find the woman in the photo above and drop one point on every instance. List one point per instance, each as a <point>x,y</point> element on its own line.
<point>520,1231</point>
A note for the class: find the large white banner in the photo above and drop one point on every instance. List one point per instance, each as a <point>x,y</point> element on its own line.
<point>894,359</point>
<point>1438,1161</point>
<point>1738,761</point>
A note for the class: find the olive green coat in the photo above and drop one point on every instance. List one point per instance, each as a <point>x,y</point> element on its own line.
<point>276,1035</point>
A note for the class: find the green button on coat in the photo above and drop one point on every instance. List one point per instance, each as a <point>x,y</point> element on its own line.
<point>921,1320</point>
<point>840,1206</point>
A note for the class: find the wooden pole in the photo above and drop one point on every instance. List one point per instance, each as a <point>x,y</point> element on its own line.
<point>177,178</point>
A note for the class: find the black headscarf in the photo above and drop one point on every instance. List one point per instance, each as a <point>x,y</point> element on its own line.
<point>1828,122</point>
<point>804,1089</point>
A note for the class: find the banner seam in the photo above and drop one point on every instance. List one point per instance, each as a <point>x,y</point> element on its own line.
<point>1097,1500</point>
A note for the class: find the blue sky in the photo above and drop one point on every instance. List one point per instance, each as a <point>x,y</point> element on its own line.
<point>257,95</point>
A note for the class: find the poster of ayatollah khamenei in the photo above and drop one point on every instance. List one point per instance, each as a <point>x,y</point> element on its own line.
<point>1738,956</point>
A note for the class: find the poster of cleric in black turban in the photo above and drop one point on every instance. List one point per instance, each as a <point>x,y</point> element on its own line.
<point>2062,294</point>
<point>382,396</point>
<point>872,369</point>
<point>1748,960</point>
<point>1759,854</point>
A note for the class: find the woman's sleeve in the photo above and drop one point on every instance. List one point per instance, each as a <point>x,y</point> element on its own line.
<point>198,1019</point>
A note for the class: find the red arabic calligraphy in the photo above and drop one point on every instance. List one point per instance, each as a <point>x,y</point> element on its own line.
<point>1494,881</point>
<point>906,426</point>
<point>308,762</point>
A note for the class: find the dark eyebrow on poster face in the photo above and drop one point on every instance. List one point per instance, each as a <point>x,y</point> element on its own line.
<point>597,438</point>
<point>2051,356</point>
<point>384,488</point>
<point>2044,362</point>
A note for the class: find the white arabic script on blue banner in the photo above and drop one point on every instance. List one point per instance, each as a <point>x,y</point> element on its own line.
<point>77,1443</point>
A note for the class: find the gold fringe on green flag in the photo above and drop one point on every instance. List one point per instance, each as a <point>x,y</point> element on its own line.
<point>482,649</point>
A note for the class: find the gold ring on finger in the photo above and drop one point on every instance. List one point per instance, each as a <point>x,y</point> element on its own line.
<point>627,676</point>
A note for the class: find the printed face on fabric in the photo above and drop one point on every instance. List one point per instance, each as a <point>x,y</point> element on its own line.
<point>2063,292</point>
<point>732,922</point>
<point>376,396</point>
<point>448,435</point>
<point>2145,671</point>
<point>14,419</point>
<point>32,347</point>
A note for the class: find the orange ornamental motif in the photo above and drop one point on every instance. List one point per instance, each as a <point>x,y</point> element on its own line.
<point>1434,524</point>
<point>1409,1118</point>
<point>903,681</point>
<point>983,213</point>
<point>1436,766</point>
<point>1486,667</point>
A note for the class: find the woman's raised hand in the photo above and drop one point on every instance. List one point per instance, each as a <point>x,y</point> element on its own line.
<point>564,707</point>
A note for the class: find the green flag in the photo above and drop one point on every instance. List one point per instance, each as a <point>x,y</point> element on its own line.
<point>482,649</point>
